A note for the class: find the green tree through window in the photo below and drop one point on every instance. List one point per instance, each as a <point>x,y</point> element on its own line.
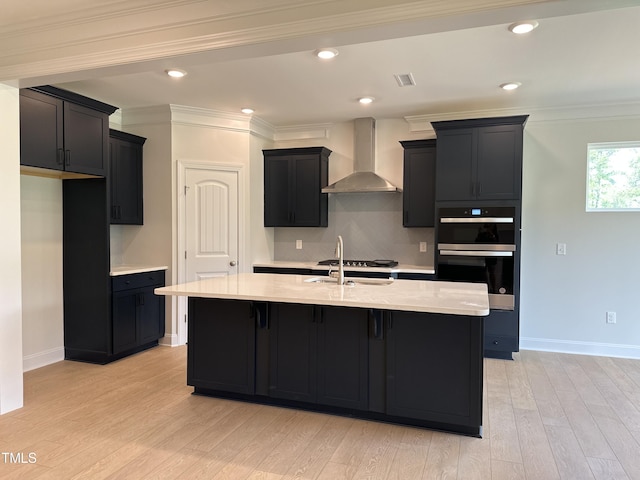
<point>613,181</point>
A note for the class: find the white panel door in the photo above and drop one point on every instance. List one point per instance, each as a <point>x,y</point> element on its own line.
<point>211,223</point>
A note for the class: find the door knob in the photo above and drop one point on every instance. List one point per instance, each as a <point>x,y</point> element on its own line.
<point>233,263</point>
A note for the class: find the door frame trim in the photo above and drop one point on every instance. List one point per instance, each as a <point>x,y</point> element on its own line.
<point>180,307</point>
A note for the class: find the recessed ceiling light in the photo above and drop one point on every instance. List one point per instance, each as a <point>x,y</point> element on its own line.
<point>326,53</point>
<point>175,73</point>
<point>366,100</point>
<point>523,27</point>
<point>248,111</point>
<point>510,85</point>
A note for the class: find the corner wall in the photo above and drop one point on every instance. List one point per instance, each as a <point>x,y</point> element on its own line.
<point>564,298</point>
<point>11,386</point>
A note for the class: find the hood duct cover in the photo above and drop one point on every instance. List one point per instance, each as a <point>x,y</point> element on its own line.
<point>364,178</point>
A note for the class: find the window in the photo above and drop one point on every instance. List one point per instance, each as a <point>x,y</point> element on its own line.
<point>613,177</point>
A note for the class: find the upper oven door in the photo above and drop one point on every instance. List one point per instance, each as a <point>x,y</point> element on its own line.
<point>476,228</point>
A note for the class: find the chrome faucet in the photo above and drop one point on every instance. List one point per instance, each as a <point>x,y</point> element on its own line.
<point>340,255</point>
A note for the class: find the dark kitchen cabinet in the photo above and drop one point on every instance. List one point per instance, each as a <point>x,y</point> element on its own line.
<point>479,159</point>
<point>63,131</point>
<point>319,355</point>
<point>450,393</point>
<point>222,345</point>
<point>293,180</point>
<point>419,185</point>
<point>137,313</point>
<point>125,178</point>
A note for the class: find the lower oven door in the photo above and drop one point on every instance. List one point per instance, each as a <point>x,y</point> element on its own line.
<point>495,268</point>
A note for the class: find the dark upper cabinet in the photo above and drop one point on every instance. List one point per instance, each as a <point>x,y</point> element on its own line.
<point>60,130</point>
<point>479,159</point>
<point>293,180</point>
<point>125,178</point>
<point>419,185</point>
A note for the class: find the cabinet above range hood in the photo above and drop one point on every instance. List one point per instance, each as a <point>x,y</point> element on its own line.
<point>363,179</point>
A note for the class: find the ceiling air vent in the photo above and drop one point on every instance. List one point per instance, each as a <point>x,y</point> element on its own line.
<point>405,79</point>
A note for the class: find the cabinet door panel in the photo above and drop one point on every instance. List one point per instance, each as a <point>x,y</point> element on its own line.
<point>124,321</point>
<point>86,140</point>
<point>448,393</point>
<point>276,192</point>
<point>150,318</point>
<point>419,187</point>
<point>456,165</point>
<point>499,162</point>
<point>343,356</point>
<point>41,131</point>
<point>305,189</point>
<point>221,354</point>
<point>292,346</point>
<point>125,169</point>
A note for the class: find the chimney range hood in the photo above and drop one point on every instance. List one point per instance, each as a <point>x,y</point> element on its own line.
<point>364,178</point>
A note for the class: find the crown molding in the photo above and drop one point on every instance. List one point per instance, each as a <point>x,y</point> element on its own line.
<point>422,123</point>
<point>302,132</point>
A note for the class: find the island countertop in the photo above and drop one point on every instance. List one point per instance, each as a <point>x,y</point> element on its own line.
<point>454,298</point>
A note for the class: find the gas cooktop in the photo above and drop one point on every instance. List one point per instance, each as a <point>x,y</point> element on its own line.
<point>361,263</point>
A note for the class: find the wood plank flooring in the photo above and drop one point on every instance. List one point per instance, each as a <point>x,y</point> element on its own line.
<point>546,416</point>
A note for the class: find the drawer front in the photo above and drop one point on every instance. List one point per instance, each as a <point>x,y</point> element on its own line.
<point>501,343</point>
<point>137,280</point>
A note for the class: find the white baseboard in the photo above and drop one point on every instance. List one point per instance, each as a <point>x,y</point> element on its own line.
<point>41,359</point>
<point>170,340</point>
<point>583,348</point>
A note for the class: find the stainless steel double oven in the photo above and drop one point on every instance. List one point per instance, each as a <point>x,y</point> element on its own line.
<point>479,245</point>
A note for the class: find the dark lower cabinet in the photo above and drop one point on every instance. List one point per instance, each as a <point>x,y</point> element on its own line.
<point>222,341</point>
<point>404,367</point>
<point>319,355</point>
<point>434,368</point>
<point>293,351</point>
<point>137,313</point>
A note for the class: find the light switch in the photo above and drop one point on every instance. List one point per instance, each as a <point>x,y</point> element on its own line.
<point>423,247</point>
<point>561,249</point>
<point>298,244</point>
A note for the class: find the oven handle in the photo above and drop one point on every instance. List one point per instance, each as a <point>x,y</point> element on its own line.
<point>475,253</point>
<point>485,247</point>
<point>476,220</point>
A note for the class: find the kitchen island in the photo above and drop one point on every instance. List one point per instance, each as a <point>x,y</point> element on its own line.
<point>402,351</point>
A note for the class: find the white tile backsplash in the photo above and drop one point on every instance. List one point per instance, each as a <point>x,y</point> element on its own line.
<point>371,226</point>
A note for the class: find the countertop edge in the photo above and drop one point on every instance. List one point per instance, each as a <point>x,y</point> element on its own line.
<point>119,270</point>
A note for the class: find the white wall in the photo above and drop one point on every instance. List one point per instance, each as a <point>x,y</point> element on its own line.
<point>42,294</point>
<point>10,277</point>
<point>564,298</point>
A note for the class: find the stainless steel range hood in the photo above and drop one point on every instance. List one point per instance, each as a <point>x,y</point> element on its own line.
<point>364,178</point>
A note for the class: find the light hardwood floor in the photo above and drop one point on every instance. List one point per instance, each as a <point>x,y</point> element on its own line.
<point>546,416</point>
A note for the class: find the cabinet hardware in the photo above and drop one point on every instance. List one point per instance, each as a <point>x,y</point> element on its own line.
<point>67,157</point>
<point>60,157</point>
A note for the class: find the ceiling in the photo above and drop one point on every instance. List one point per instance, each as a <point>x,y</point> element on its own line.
<point>573,58</point>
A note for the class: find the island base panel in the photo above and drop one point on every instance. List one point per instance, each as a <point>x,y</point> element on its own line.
<point>471,431</point>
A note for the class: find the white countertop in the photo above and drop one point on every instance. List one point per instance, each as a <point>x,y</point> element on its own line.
<point>401,268</point>
<point>117,270</point>
<point>410,295</point>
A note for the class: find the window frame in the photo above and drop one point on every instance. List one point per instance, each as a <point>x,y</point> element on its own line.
<point>606,146</point>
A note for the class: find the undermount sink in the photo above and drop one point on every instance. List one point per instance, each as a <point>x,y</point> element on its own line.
<point>351,281</point>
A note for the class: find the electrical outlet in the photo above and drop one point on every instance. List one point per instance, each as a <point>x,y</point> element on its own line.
<point>298,244</point>
<point>611,317</point>
<point>423,247</point>
<point>561,248</point>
